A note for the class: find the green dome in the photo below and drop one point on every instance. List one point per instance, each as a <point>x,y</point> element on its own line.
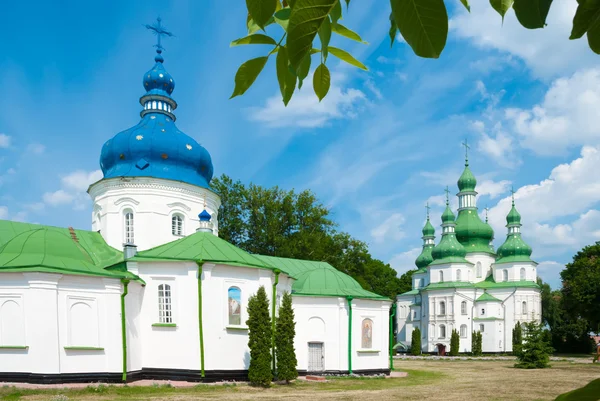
<point>425,258</point>
<point>513,216</point>
<point>448,250</point>
<point>447,216</point>
<point>428,230</point>
<point>514,249</point>
<point>472,233</point>
<point>467,181</point>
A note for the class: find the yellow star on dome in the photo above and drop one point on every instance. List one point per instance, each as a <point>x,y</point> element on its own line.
<point>188,146</point>
<point>139,137</point>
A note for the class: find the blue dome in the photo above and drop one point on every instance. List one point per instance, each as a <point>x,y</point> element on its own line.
<point>204,216</point>
<point>155,147</point>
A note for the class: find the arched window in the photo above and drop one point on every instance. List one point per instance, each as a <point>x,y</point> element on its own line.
<point>367,334</point>
<point>441,277</point>
<point>504,275</point>
<point>463,330</point>
<point>177,224</point>
<point>234,302</point>
<point>479,272</point>
<point>522,273</point>
<point>418,283</point>
<point>165,304</point>
<point>463,308</point>
<point>458,275</point>
<point>128,223</point>
<point>442,308</point>
<point>442,331</point>
<point>524,307</point>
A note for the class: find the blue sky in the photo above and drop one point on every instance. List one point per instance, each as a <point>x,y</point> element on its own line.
<point>380,145</point>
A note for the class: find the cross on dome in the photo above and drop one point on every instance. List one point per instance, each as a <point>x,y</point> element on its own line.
<point>467,147</point>
<point>447,195</point>
<point>427,207</point>
<point>512,194</point>
<point>160,31</point>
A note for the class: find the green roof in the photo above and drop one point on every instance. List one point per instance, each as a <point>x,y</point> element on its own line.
<point>472,233</point>
<point>293,267</point>
<point>411,292</point>
<point>513,217</point>
<point>449,284</point>
<point>467,181</point>
<point>428,230</point>
<point>37,248</point>
<point>425,258</point>
<point>485,297</point>
<point>489,282</point>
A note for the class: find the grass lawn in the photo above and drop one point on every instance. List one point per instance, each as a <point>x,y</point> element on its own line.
<point>427,380</point>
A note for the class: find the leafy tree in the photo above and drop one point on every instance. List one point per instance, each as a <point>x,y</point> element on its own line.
<point>580,286</point>
<point>405,282</point>
<point>517,339</point>
<point>454,343</point>
<point>276,222</point>
<point>476,343</point>
<point>415,345</point>
<point>536,350</point>
<point>284,341</point>
<point>259,339</point>
<point>423,24</point>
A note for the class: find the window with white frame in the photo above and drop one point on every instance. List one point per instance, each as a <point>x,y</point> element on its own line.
<point>524,307</point>
<point>414,314</point>
<point>522,273</point>
<point>463,308</point>
<point>177,224</point>
<point>463,330</point>
<point>482,312</point>
<point>479,270</point>
<point>442,308</point>
<point>165,304</point>
<point>128,225</point>
<point>442,331</point>
<point>458,275</point>
<point>441,277</point>
<point>504,275</point>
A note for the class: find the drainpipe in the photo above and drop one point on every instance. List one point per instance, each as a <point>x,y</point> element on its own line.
<point>392,335</point>
<point>124,327</point>
<point>276,271</point>
<point>201,335</point>
<point>349,334</point>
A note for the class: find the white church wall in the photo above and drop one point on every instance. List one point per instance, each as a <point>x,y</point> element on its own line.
<point>518,271</point>
<point>485,261</point>
<point>133,310</point>
<point>370,334</point>
<point>153,203</point>
<point>419,280</point>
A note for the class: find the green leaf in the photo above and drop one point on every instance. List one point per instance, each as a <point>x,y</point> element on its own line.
<point>246,75</point>
<point>347,33</point>
<point>593,35</point>
<point>256,39</point>
<point>325,36</point>
<point>285,77</point>
<point>261,10</point>
<point>282,17</point>
<point>347,57</point>
<point>336,13</point>
<point>306,19</point>
<point>501,6</point>
<point>466,4</point>
<point>532,13</point>
<point>303,69</point>
<point>253,27</point>
<point>423,24</point>
<point>393,30</point>
<point>584,17</point>
<point>321,81</point>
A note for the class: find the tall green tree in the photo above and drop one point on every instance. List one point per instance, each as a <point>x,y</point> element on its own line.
<point>405,281</point>
<point>422,24</point>
<point>476,343</point>
<point>536,351</point>
<point>454,343</point>
<point>415,345</point>
<point>517,339</point>
<point>259,339</point>
<point>284,341</point>
<point>277,222</point>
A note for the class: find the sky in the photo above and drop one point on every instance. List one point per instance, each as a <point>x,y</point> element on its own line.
<point>375,150</point>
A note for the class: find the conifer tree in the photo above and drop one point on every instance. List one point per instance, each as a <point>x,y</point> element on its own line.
<point>284,341</point>
<point>535,353</point>
<point>259,339</point>
<point>415,347</point>
<point>517,339</point>
<point>476,343</point>
<point>454,343</point>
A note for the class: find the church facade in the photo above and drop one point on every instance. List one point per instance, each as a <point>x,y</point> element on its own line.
<point>152,291</point>
<point>463,284</point>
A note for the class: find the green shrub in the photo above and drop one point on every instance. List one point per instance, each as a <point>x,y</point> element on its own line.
<point>476,343</point>
<point>415,346</point>
<point>454,343</point>
<point>517,339</point>
<point>284,341</point>
<point>259,339</point>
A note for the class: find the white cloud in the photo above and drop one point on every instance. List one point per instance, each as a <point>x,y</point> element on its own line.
<point>405,261</point>
<point>3,212</point>
<point>20,216</point>
<point>59,197</point>
<point>80,180</point>
<point>305,110</point>
<point>389,229</point>
<point>35,207</point>
<point>370,85</point>
<point>548,52</point>
<point>4,141</point>
<point>36,148</point>
<point>566,117</point>
<point>493,188</point>
<point>549,271</point>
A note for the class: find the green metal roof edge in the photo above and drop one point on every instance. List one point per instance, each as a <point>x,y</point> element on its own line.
<point>514,259</point>
<point>485,297</point>
<point>449,284</point>
<point>44,269</point>
<point>450,259</point>
<point>411,292</point>
<point>375,297</point>
<point>163,259</point>
<point>506,284</point>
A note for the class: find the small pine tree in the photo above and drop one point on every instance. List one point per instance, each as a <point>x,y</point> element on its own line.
<point>535,353</point>
<point>415,346</point>
<point>284,341</point>
<point>517,339</point>
<point>454,343</point>
<point>476,343</point>
<point>259,339</point>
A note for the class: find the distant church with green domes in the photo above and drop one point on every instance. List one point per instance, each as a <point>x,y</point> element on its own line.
<point>462,283</point>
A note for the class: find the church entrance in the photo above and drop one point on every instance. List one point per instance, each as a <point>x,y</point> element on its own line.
<point>441,349</point>
<point>315,357</point>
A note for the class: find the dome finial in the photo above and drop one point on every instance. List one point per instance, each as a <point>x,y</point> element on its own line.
<point>487,209</point>
<point>467,147</point>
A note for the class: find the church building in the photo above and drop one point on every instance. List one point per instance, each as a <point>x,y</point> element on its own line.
<point>152,292</point>
<point>463,284</point>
